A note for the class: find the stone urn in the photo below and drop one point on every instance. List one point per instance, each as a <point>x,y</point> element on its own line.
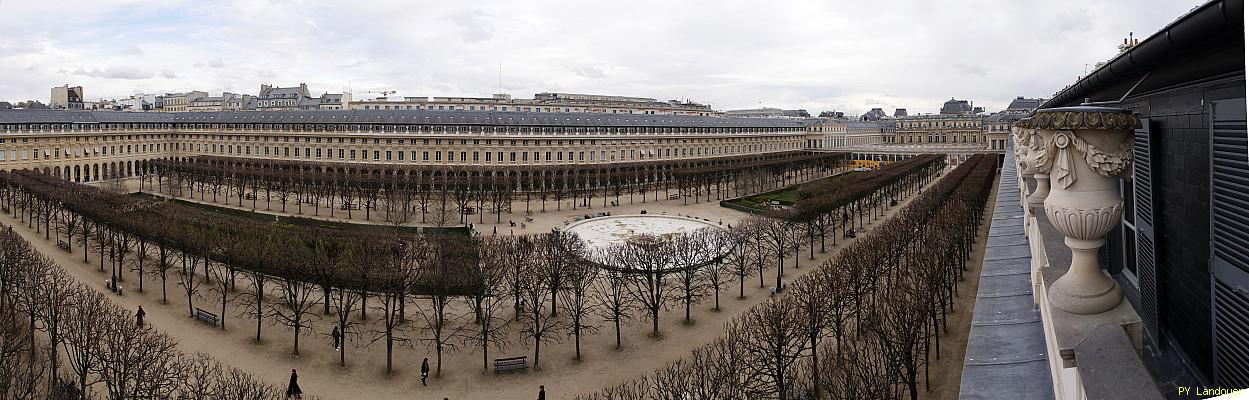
<point>1084,150</point>
<point>1041,157</point>
<point>1023,139</point>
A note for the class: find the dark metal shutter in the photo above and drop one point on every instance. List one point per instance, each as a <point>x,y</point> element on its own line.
<point>1229,242</point>
<point>1143,184</point>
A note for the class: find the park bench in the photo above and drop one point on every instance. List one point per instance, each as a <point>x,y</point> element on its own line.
<point>510,363</point>
<point>208,317</point>
<point>62,244</point>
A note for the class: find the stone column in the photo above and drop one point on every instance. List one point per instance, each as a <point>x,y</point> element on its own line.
<point>1084,151</point>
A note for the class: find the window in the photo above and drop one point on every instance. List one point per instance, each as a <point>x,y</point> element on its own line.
<point>424,156</point>
<point>1128,193</point>
<point>377,155</point>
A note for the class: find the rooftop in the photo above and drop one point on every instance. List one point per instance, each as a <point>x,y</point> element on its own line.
<point>394,117</point>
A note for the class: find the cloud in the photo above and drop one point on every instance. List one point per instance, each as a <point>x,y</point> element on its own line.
<point>117,72</point>
<point>729,53</point>
<point>589,71</point>
<point>474,26</point>
<point>970,70</point>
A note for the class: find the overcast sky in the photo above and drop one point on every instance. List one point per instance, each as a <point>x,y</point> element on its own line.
<point>817,55</point>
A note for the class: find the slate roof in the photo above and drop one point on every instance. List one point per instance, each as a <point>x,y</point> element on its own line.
<point>407,117</point>
<point>1006,354</point>
<point>953,106</point>
<point>1020,103</point>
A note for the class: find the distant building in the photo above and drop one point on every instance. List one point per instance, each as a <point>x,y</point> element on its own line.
<point>226,102</point>
<point>834,133</point>
<point>876,114</point>
<point>899,112</point>
<point>957,123</point>
<point>180,102</point>
<point>767,112</point>
<point>66,97</point>
<point>542,102</point>
<point>273,98</point>
<point>957,107</point>
<point>998,125</point>
<point>334,101</point>
<point>763,112</point>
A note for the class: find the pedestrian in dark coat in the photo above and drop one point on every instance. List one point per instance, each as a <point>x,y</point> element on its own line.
<point>139,315</point>
<point>292,389</point>
<point>541,392</point>
<point>424,371</point>
<point>338,338</point>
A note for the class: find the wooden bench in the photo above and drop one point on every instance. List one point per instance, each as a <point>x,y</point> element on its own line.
<point>208,317</point>
<point>62,244</point>
<point>510,363</point>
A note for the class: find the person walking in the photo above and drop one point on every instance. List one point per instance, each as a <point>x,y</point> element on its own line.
<point>139,315</point>
<point>424,371</point>
<point>338,338</point>
<point>292,389</point>
<point>541,392</point>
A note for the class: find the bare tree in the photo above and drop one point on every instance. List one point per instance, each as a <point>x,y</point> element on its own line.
<point>537,322</point>
<point>647,262</point>
<point>292,307</point>
<point>346,300</point>
<point>717,272</point>
<point>135,361</point>
<point>439,277</point>
<point>21,371</point>
<point>394,276</point>
<point>489,297</point>
<point>84,331</point>
<point>774,339</point>
<point>579,279</point>
<point>611,294</point>
<point>187,278</point>
<point>56,297</point>
<point>690,253</point>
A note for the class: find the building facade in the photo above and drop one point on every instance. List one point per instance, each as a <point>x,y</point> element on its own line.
<point>66,97</point>
<point>542,102</point>
<point>88,146</point>
<point>180,102</point>
<point>998,125</point>
<point>832,134</point>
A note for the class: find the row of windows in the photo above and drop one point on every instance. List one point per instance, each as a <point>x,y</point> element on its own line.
<point>478,156</point>
<point>472,107</point>
<point>488,142</point>
<point>56,153</point>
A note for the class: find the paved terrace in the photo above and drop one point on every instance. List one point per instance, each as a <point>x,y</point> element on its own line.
<point>1006,354</point>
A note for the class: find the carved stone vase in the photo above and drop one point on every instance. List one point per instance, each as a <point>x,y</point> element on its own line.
<point>1084,150</point>
<point>1041,157</point>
